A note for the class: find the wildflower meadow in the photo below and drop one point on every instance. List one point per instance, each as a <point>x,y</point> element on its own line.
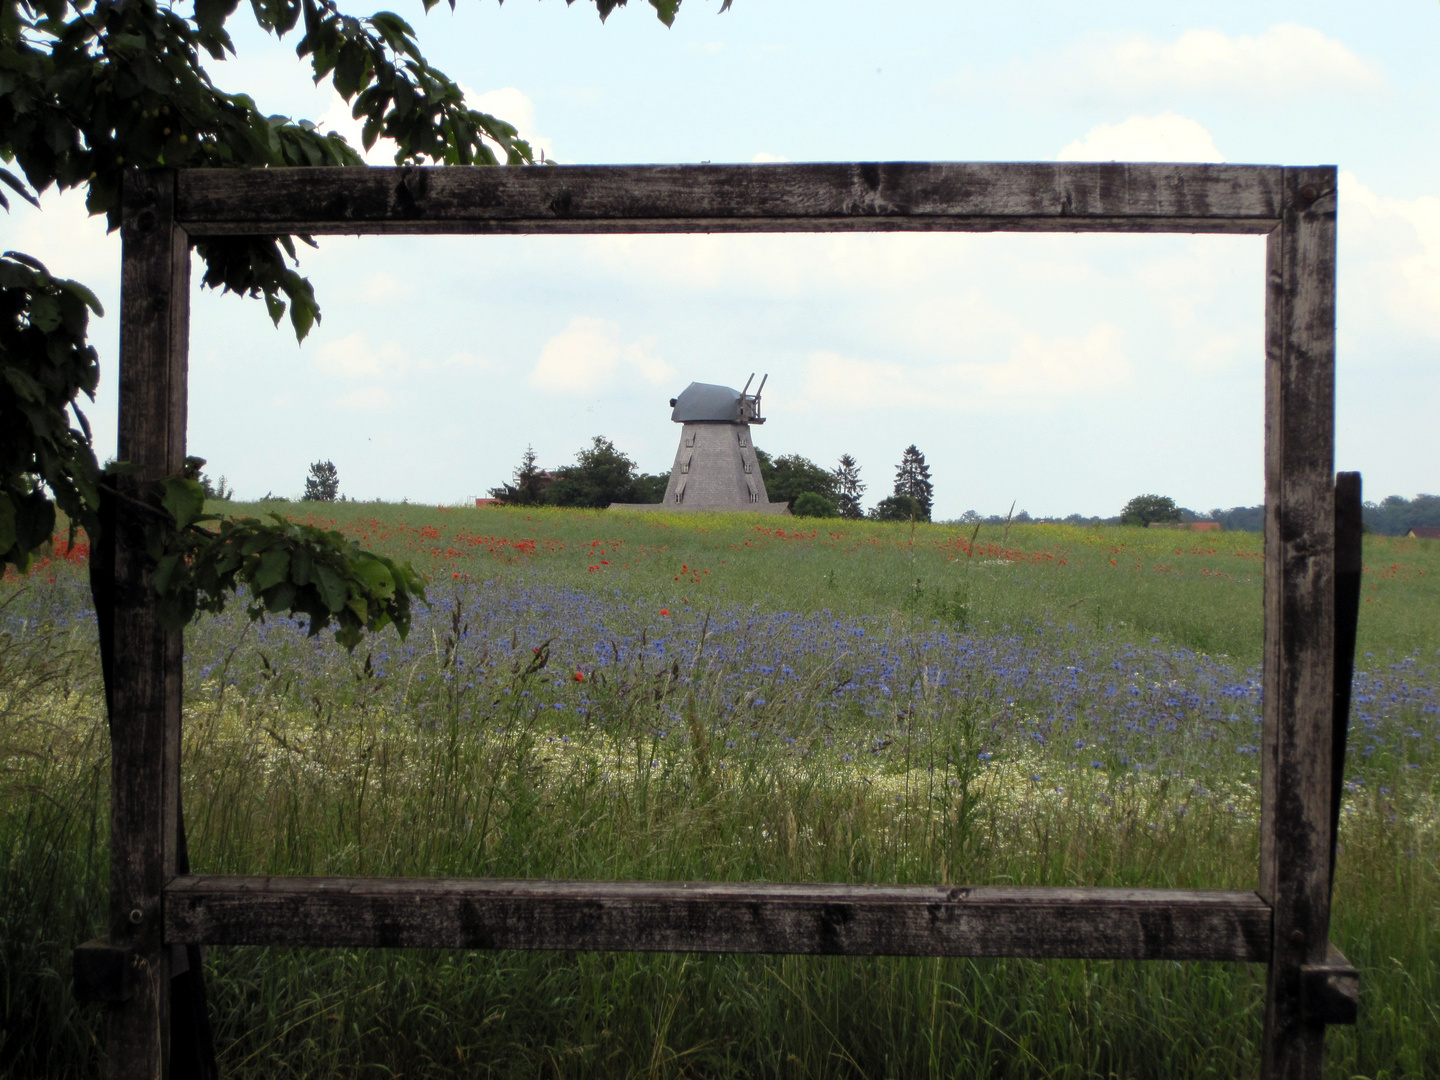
<point>725,697</point>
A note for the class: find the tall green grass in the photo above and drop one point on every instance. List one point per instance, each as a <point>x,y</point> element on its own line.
<point>411,774</point>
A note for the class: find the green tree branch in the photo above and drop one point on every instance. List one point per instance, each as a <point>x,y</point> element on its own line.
<point>91,88</point>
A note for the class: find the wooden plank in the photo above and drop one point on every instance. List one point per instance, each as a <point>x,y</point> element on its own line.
<point>857,920</point>
<point>1299,680</point>
<point>1066,197</point>
<point>1330,991</point>
<point>1349,568</point>
<point>145,716</point>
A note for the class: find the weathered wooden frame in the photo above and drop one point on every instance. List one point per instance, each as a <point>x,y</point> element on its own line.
<point>1284,923</point>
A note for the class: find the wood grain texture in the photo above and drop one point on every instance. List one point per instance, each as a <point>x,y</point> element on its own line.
<point>1299,680</point>
<point>961,196</point>
<point>147,676</point>
<point>858,920</point>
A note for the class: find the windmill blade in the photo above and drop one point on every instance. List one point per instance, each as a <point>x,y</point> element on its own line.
<point>761,386</point>
<point>747,383</point>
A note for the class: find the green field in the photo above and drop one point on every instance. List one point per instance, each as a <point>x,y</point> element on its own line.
<point>727,697</point>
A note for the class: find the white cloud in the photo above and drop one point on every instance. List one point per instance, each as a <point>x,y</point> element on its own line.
<point>1037,371</point>
<point>1167,137</point>
<point>1389,260</point>
<point>64,236</point>
<point>351,357</point>
<point>588,355</point>
<point>1285,61</point>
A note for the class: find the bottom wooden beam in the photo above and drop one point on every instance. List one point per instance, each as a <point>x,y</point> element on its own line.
<point>858,920</point>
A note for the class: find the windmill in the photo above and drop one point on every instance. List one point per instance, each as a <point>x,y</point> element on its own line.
<point>715,464</point>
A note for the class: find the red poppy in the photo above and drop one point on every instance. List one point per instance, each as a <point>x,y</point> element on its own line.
<point>664,611</point>
<point>579,676</point>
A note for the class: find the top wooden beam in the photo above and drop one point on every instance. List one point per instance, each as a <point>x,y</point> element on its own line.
<point>880,197</point>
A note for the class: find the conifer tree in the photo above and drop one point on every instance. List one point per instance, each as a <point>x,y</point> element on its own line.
<point>912,479</point>
<point>323,483</point>
<point>849,487</point>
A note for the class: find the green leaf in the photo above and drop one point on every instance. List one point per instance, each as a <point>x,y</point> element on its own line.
<point>274,567</point>
<point>185,499</point>
<point>377,576</point>
<point>665,10</point>
<point>26,388</point>
<point>91,300</point>
<point>281,597</point>
<point>29,260</point>
<point>45,312</point>
<point>301,563</point>
<point>332,589</point>
<point>164,571</point>
<point>210,15</point>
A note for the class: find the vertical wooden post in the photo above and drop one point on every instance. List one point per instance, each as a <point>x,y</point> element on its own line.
<point>1349,568</point>
<point>1299,611</point>
<point>145,717</point>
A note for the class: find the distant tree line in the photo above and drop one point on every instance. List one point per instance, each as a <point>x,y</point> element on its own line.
<point>1395,516</point>
<point>602,474</point>
<point>1392,516</point>
<point>812,491</point>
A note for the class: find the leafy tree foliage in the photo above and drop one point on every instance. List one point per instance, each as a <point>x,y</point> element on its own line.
<point>848,488</point>
<point>650,487</point>
<point>790,476</point>
<point>45,365</point>
<point>900,508</point>
<point>530,483</point>
<point>91,88</point>
<point>1144,510</point>
<point>287,568</point>
<point>323,483</point>
<point>912,480</point>
<point>813,504</point>
<point>600,476</point>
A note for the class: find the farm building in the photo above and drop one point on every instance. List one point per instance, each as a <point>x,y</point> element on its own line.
<point>1425,532</point>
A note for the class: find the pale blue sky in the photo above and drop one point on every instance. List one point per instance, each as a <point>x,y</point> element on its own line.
<point>1065,372</point>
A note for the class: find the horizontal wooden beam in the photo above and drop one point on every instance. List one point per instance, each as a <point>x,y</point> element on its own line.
<point>858,920</point>
<point>895,196</point>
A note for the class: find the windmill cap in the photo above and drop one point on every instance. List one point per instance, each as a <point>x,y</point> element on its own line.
<point>701,402</point>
